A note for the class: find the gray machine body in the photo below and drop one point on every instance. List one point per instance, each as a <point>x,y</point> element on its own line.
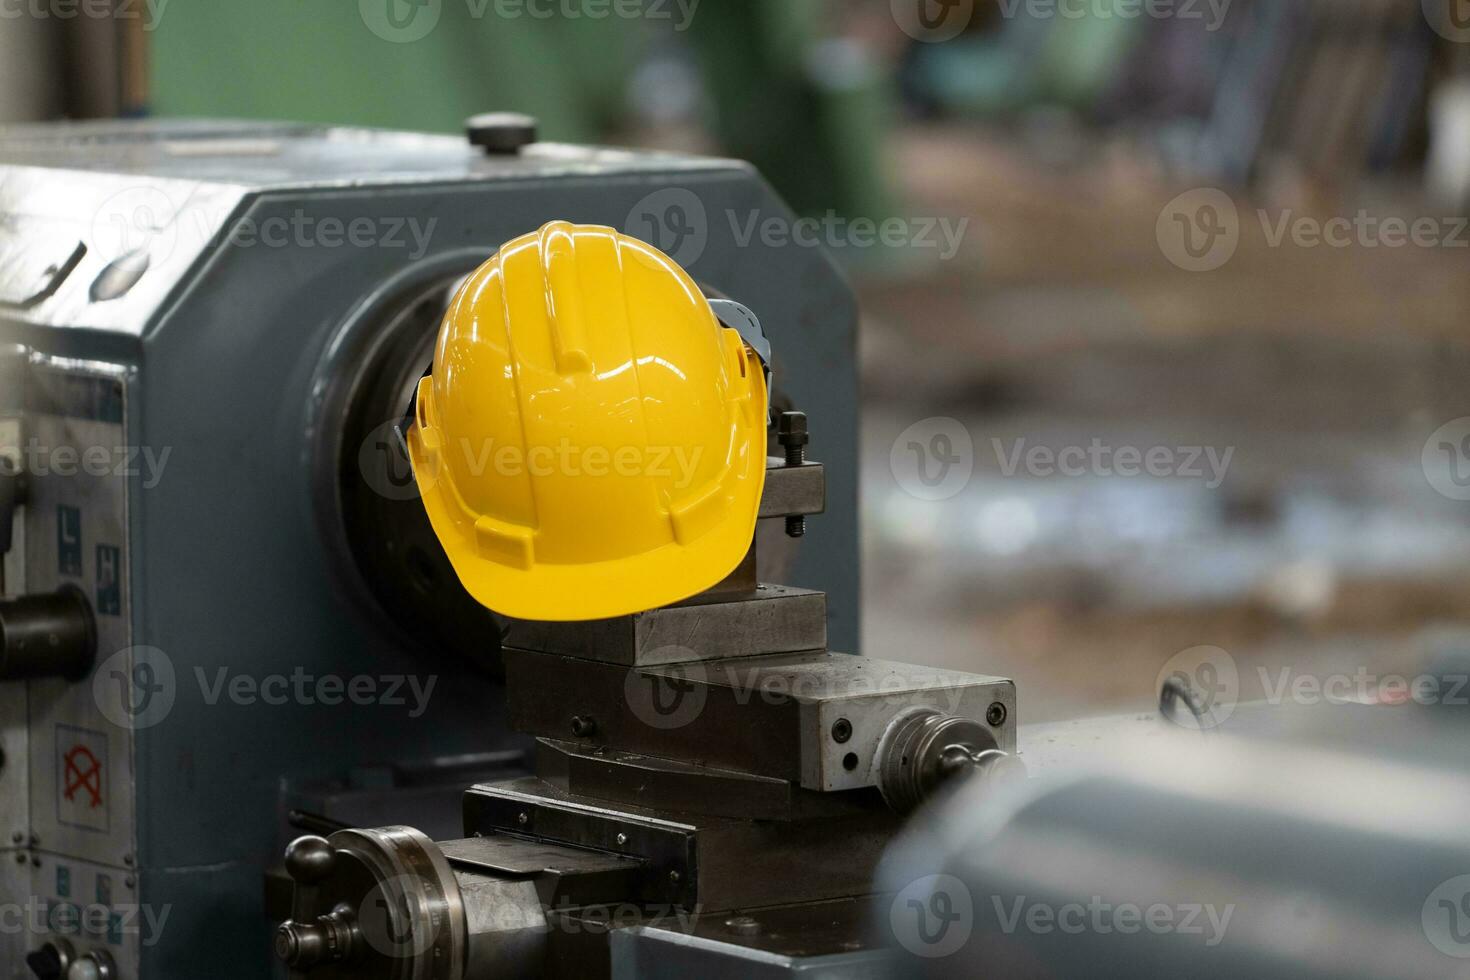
<point>201,354</point>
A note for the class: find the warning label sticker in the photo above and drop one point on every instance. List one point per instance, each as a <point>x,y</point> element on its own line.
<point>81,778</point>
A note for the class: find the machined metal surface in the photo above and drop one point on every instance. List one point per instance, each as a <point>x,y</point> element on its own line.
<point>820,939</point>
<point>679,787</point>
<point>793,490</point>
<point>694,861</point>
<point>710,626</point>
<point>773,716</point>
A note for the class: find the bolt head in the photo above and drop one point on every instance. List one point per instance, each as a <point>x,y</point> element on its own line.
<point>791,429</point>
<point>501,132</point>
<point>995,715</point>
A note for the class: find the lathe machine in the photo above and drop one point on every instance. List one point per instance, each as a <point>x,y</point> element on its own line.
<point>228,627</point>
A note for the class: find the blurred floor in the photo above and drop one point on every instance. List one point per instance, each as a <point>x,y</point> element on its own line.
<point>1321,371</point>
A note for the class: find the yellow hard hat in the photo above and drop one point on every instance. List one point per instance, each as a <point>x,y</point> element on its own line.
<point>591,441</point>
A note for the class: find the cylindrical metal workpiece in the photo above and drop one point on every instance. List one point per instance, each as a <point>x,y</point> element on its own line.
<point>50,635</point>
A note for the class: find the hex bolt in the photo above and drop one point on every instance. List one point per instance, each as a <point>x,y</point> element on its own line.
<point>995,715</point>
<point>675,877</point>
<point>584,726</point>
<point>791,434</point>
<point>622,840</point>
<point>841,730</point>
<point>523,818</point>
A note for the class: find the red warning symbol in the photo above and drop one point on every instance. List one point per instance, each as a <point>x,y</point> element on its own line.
<point>83,771</point>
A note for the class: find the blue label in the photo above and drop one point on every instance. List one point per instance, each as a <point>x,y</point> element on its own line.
<point>109,580</point>
<point>69,540</point>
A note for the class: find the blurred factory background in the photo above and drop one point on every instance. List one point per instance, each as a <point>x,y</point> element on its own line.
<point>1217,244</point>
